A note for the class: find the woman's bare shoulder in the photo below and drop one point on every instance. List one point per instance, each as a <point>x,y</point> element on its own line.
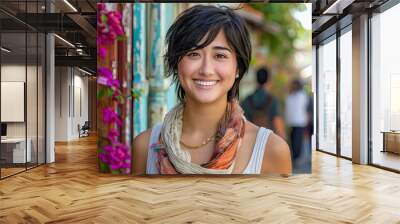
<point>142,138</point>
<point>277,157</point>
<point>139,152</point>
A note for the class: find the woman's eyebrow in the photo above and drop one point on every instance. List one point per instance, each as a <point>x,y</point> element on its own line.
<point>222,48</point>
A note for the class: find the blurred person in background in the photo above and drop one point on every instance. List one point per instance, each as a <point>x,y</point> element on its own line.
<point>296,115</point>
<point>262,108</point>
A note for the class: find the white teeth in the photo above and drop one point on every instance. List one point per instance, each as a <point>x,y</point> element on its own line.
<point>205,83</point>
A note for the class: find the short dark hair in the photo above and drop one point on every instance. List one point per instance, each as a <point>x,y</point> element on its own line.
<point>297,85</point>
<point>201,21</point>
<point>262,76</point>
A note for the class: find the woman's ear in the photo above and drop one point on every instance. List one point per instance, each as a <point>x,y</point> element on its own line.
<point>237,73</point>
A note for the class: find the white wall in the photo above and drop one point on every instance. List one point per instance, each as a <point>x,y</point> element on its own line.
<point>15,73</point>
<point>80,89</point>
<point>62,81</point>
<point>71,93</point>
<point>13,101</point>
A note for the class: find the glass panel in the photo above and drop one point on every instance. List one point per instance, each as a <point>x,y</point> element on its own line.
<point>23,82</point>
<point>386,89</point>
<point>32,84</point>
<point>13,87</point>
<point>346,94</point>
<point>327,97</point>
<point>31,97</point>
<point>41,98</point>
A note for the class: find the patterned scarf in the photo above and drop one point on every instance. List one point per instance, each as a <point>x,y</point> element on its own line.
<point>171,159</point>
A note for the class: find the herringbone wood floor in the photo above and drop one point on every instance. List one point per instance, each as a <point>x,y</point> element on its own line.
<point>72,191</point>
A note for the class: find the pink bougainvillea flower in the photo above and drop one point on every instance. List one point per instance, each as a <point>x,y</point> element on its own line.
<point>109,115</point>
<point>114,83</point>
<point>113,135</point>
<point>102,52</point>
<point>117,156</point>
<point>103,157</point>
<point>106,78</point>
<point>100,6</point>
<point>108,148</point>
<point>114,154</point>
<point>102,81</point>
<point>106,72</point>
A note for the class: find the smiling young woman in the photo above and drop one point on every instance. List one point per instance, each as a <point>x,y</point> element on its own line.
<point>208,53</point>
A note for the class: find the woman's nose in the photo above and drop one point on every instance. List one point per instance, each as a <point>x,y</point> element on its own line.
<point>206,68</point>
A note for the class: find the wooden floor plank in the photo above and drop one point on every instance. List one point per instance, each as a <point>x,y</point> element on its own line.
<point>72,191</point>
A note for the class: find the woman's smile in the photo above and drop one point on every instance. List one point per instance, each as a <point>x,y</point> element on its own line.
<point>205,84</point>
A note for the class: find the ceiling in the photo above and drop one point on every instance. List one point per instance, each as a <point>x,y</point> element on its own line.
<point>72,20</point>
<point>75,21</point>
<point>330,15</point>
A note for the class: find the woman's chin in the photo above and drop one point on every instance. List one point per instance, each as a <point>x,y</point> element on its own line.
<point>205,98</point>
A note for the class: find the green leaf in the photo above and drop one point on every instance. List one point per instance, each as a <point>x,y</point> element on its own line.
<point>101,93</point>
<point>136,93</point>
<point>109,92</point>
<point>104,167</point>
<point>121,38</point>
<point>104,18</point>
<point>115,171</point>
<point>121,99</point>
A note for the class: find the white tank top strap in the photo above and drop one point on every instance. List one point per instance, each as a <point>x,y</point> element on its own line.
<point>256,160</point>
<point>151,167</point>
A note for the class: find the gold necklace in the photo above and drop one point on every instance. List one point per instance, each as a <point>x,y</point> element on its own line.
<point>221,125</point>
<point>198,146</point>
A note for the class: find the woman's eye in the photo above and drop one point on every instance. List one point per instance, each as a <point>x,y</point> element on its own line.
<point>192,54</point>
<point>220,56</point>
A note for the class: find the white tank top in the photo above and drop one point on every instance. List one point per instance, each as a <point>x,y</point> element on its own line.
<point>253,167</point>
